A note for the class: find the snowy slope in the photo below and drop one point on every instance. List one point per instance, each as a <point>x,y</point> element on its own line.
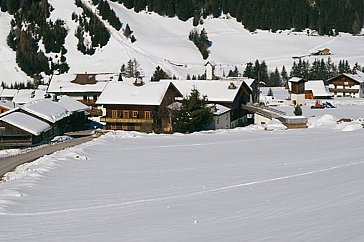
<point>217,186</point>
<point>164,41</point>
<point>9,70</point>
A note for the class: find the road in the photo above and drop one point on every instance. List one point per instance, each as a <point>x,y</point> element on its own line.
<point>10,163</point>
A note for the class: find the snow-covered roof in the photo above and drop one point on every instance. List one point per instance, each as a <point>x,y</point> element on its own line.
<point>317,87</point>
<point>295,79</point>
<point>63,83</point>
<point>71,104</point>
<point>26,122</point>
<point>47,110</point>
<point>215,90</point>
<point>359,76</point>
<point>28,95</point>
<point>6,104</point>
<point>125,92</point>
<point>6,93</point>
<point>220,109</point>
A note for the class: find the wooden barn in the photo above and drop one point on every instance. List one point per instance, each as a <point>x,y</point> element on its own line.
<point>347,85</point>
<point>39,121</point>
<point>21,130</point>
<point>137,106</point>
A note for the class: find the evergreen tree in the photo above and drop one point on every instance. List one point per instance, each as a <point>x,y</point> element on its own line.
<point>284,75</point>
<point>127,31</point>
<point>159,74</point>
<point>297,110</point>
<point>270,92</point>
<point>194,114</point>
<point>249,72</point>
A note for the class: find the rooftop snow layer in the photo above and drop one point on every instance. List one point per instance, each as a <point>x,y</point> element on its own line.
<point>46,109</point>
<point>125,92</point>
<point>26,122</point>
<point>317,87</point>
<point>63,84</point>
<point>71,104</point>
<point>28,95</point>
<point>359,76</point>
<point>216,91</point>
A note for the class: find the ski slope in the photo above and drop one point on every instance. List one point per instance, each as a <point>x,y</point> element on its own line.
<point>164,41</point>
<point>244,184</point>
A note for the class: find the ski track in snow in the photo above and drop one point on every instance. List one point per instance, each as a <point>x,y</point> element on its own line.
<point>186,195</point>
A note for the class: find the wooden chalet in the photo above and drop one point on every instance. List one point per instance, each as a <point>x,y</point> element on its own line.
<point>85,88</point>
<point>229,93</point>
<point>347,85</point>
<point>138,106</point>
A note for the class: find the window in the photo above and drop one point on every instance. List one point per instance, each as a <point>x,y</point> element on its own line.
<point>113,126</point>
<point>126,114</point>
<point>147,114</point>
<point>114,113</point>
<point>135,114</point>
<point>84,98</point>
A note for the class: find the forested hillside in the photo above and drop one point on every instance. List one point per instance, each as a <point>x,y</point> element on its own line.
<point>325,16</point>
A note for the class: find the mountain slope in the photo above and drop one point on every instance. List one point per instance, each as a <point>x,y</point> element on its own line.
<point>164,41</point>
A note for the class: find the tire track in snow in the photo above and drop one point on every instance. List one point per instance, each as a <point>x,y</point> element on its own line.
<point>182,196</point>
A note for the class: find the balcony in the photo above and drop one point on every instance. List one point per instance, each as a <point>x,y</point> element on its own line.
<point>344,90</point>
<point>126,120</point>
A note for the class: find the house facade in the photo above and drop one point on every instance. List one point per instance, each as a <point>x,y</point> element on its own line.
<point>347,85</point>
<point>138,106</point>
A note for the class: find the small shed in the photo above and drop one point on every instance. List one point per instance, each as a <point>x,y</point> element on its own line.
<point>315,89</point>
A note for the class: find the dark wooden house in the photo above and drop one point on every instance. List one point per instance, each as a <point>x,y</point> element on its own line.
<point>138,106</point>
<point>20,130</point>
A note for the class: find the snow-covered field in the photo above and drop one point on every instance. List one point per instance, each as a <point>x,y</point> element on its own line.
<point>164,41</point>
<point>245,184</point>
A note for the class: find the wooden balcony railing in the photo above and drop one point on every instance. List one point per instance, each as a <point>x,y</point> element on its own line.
<point>125,120</point>
<point>344,90</point>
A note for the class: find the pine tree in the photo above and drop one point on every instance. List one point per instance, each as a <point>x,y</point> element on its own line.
<point>194,114</point>
<point>249,72</point>
<point>159,74</point>
<point>270,92</point>
<point>284,75</point>
<point>297,110</point>
<point>127,31</point>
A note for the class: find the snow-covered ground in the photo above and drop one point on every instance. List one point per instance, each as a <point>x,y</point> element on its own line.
<point>164,41</point>
<point>245,184</point>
